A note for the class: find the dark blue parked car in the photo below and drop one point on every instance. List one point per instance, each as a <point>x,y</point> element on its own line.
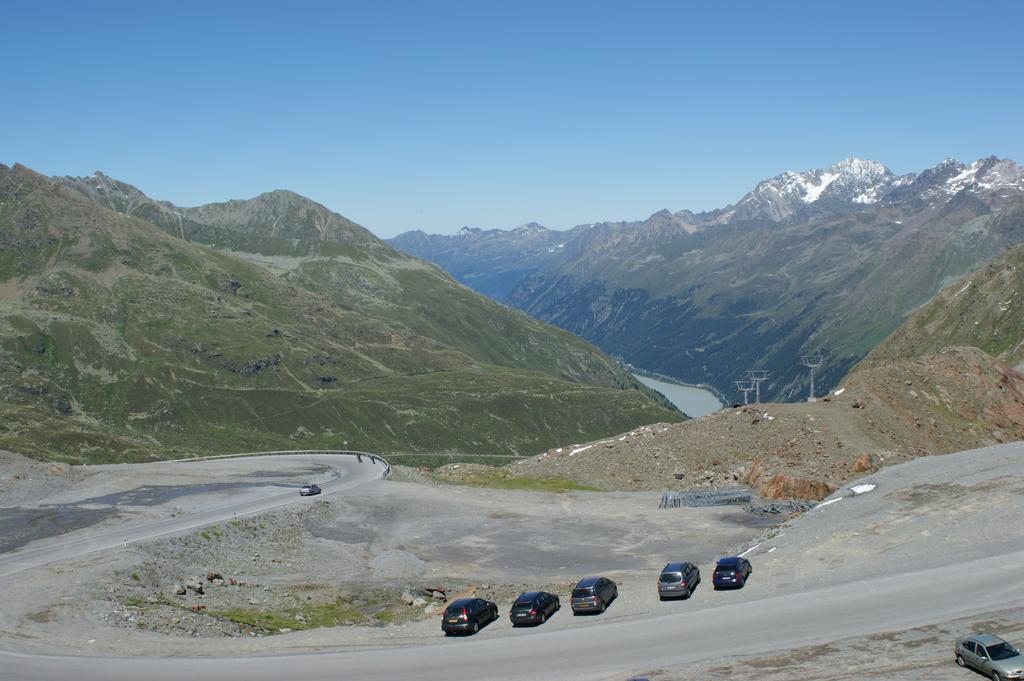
<point>731,573</point>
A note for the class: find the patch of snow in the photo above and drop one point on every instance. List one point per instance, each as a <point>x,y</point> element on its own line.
<point>867,197</point>
<point>827,503</point>
<point>959,182</point>
<point>840,391</point>
<point>580,449</point>
<point>862,489</point>
<point>813,192</point>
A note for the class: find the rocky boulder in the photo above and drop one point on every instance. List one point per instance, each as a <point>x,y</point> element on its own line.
<point>779,484</point>
<point>864,464</point>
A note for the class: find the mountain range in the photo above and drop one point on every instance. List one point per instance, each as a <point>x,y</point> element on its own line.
<point>132,328</point>
<point>825,261</point>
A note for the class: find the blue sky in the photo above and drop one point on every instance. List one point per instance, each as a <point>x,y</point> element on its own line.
<point>435,115</point>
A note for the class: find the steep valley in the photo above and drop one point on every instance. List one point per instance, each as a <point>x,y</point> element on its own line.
<point>828,261</point>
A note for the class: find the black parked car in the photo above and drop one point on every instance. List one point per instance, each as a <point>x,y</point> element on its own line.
<point>534,607</point>
<point>678,580</point>
<point>593,594</point>
<point>468,616</point>
<point>732,572</point>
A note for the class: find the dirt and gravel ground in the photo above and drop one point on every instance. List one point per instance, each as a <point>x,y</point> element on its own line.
<point>352,558</point>
<point>954,400</point>
<point>362,558</point>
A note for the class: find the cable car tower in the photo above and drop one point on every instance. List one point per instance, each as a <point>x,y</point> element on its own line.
<point>757,376</point>
<point>745,387</point>
<point>812,362</point>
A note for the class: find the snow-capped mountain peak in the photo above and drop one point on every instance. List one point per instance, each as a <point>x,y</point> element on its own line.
<point>851,181</point>
<point>988,173</point>
<point>951,177</point>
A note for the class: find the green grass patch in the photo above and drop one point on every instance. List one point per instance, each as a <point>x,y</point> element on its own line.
<point>339,613</point>
<point>501,479</point>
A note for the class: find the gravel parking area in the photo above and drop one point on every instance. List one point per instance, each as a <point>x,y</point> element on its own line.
<point>347,569</point>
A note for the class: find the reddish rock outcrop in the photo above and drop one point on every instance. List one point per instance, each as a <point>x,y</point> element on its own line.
<point>864,464</point>
<point>781,485</point>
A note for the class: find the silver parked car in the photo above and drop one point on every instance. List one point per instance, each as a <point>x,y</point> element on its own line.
<point>678,580</point>
<point>990,655</point>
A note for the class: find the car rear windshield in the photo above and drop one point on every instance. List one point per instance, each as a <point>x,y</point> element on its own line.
<point>526,605</point>
<point>582,593</point>
<point>725,570</point>
<point>670,577</point>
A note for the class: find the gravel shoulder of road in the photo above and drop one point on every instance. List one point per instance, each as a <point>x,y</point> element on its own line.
<point>924,652</point>
<point>929,511</point>
<point>24,480</point>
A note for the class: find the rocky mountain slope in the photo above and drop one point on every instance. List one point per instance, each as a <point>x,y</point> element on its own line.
<point>948,401</point>
<point>930,388</point>
<point>984,310</point>
<point>827,261</point>
<point>121,340</point>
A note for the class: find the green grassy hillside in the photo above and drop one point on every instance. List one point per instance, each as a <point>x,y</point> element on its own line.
<point>321,251</point>
<point>984,309</point>
<point>119,341</point>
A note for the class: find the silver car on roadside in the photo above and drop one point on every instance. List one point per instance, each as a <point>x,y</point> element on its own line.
<point>990,655</point>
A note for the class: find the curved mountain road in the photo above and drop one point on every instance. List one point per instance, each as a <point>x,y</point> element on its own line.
<point>739,625</point>
<point>347,472</point>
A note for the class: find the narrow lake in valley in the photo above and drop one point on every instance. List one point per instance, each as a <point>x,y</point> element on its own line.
<point>691,401</point>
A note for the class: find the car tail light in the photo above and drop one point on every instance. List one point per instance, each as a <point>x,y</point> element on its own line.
<point>463,615</point>
<point>533,612</point>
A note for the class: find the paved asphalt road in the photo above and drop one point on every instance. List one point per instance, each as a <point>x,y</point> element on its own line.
<point>347,473</point>
<point>617,649</point>
<point>601,652</point>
